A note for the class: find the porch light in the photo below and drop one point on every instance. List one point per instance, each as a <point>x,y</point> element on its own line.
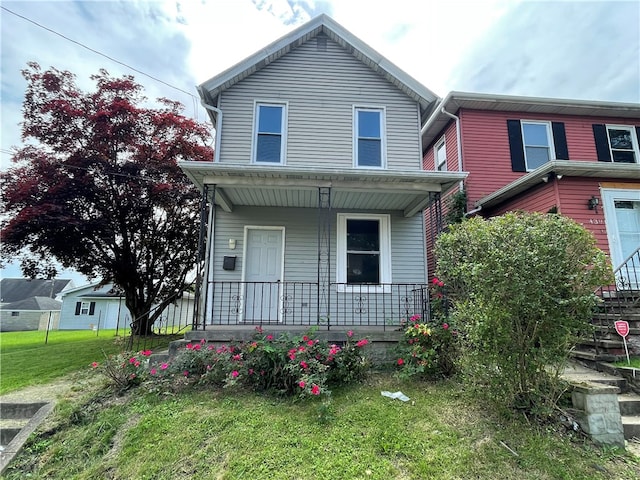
<point>593,203</point>
<point>232,244</point>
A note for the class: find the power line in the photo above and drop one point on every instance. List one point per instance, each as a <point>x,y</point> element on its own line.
<point>193,97</point>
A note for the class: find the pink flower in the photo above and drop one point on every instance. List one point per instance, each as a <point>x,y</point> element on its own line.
<point>235,374</point>
<point>415,318</point>
<point>269,338</point>
<point>133,360</point>
<point>441,283</point>
<point>445,326</point>
<point>203,341</point>
<point>146,353</point>
<point>301,349</point>
<point>315,390</point>
<point>136,363</point>
<point>435,280</point>
<point>236,357</point>
<point>310,343</point>
<point>189,346</point>
<point>400,361</point>
<point>164,366</point>
<point>362,343</point>
<point>95,364</point>
<point>259,329</point>
<point>301,384</point>
<point>251,371</point>
<point>197,346</point>
<point>186,373</point>
<point>153,371</point>
<point>304,365</point>
<point>350,333</point>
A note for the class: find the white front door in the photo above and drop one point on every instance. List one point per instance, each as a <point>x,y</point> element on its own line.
<point>263,272</point>
<point>622,212</point>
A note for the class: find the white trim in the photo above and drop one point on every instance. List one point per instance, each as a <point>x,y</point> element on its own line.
<point>283,135</point>
<point>244,265</point>
<point>634,141</point>
<point>383,134</point>
<point>609,197</point>
<point>385,252</point>
<point>550,140</point>
<point>436,164</point>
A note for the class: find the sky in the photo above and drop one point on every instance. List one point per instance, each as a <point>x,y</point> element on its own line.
<point>551,48</point>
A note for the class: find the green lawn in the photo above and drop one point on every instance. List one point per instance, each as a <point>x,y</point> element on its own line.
<point>26,360</point>
<point>441,433</point>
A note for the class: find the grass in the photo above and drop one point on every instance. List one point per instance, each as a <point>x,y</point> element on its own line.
<point>634,362</point>
<point>26,360</point>
<point>441,433</point>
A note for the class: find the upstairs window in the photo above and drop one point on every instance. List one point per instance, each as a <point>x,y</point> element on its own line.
<point>369,141</point>
<point>270,134</point>
<point>440,155</point>
<point>538,147</point>
<point>532,143</point>
<point>622,144</point>
<point>617,143</point>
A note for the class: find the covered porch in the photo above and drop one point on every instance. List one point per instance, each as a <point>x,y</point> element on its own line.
<point>309,289</point>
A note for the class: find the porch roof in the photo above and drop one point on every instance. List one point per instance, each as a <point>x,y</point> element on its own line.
<point>265,185</point>
<point>560,168</point>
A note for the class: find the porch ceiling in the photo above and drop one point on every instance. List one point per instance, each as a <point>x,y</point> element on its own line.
<point>258,185</point>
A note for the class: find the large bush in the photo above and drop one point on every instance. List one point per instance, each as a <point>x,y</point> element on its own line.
<point>522,287</point>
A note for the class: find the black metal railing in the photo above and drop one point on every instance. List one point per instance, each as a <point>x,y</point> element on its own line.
<point>296,303</point>
<point>619,301</point>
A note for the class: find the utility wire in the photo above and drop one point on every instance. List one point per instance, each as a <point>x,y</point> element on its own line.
<point>193,97</point>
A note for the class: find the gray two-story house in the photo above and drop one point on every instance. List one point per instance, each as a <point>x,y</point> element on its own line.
<point>312,208</point>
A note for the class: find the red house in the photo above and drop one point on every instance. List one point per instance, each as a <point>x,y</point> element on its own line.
<point>579,158</point>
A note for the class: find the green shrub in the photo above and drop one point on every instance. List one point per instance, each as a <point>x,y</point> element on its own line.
<point>125,370</point>
<point>298,365</point>
<point>522,287</point>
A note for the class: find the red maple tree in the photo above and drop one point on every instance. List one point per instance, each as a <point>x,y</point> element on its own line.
<point>98,187</point>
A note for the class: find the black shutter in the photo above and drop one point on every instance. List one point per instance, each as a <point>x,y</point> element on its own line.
<point>638,139</point>
<point>560,141</point>
<point>92,308</point>
<point>78,305</point>
<point>602,142</point>
<point>515,146</point>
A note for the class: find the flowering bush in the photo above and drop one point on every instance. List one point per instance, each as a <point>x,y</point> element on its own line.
<point>301,365</point>
<point>125,370</point>
<point>427,349</point>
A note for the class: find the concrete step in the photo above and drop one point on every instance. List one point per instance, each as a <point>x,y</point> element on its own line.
<point>631,426</point>
<point>592,357</point>
<point>629,404</point>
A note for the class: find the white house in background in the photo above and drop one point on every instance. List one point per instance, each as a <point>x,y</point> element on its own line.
<point>93,306</point>
<point>99,306</point>
<point>33,313</point>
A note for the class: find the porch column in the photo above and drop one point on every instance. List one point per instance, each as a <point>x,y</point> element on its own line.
<point>324,255</point>
<point>205,253</point>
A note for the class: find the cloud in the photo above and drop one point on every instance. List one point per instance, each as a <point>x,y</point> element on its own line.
<point>586,50</point>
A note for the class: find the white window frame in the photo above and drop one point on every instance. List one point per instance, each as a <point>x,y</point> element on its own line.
<point>283,130</point>
<point>552,151</point>
<point>634,141</point>
<point>385,253</point>
<point>440,166</point>
<point>383,135</point>
<point>85,308</point>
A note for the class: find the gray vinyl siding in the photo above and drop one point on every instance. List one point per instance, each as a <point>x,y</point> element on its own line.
<point>301,242</point>
<point>298,292</point>
<point>321,88</point>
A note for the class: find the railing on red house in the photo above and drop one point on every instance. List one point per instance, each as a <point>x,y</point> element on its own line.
<point>307,304</point>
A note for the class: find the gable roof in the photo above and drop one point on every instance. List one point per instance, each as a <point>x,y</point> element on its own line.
<point>33,304</point>
<point>454,101</point>
<point>211,89</point>
<point>16,289</point>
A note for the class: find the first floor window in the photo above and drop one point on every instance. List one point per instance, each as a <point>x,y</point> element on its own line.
<point>269,133</point>
<point>369,142</point>
<point>85,308</point>
<point>363,247</point>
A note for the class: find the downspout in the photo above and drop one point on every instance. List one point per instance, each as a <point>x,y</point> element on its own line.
<point>217,125</point>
